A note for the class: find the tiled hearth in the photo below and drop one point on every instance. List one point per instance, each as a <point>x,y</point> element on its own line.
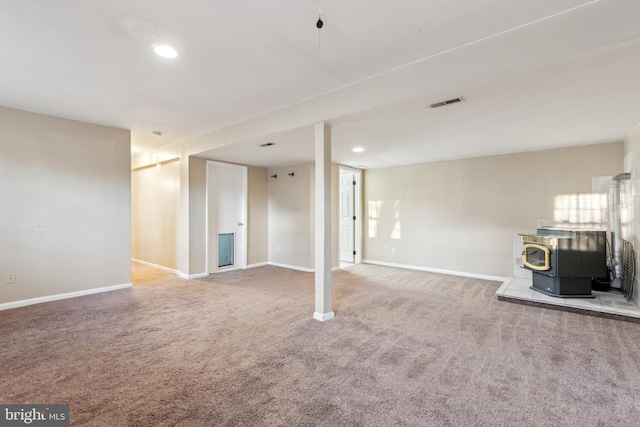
<point>605,304</point>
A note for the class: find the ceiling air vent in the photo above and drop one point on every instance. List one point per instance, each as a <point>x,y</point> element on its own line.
<point>447,102</point>
<point>267,144</point>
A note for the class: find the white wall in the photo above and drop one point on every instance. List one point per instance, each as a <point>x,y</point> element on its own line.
<point>258,216</point>
<point>291,216</point>
<point>463,215</point>
<point>280,215</point>
<point>155,213</point>
<point>66,216</point>
<point>197,217</point>
<point>445,214</point>
<point>169,214</point>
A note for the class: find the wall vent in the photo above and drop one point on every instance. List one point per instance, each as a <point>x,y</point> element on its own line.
<point>447,102</point>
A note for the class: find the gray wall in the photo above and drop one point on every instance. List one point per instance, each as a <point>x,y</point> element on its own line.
<point>463,215</point>
<point>66,217</point>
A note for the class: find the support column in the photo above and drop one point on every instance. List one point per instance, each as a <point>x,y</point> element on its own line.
<point>324,304</point>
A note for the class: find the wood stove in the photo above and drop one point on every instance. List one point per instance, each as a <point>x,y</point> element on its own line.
<point>564,262</point>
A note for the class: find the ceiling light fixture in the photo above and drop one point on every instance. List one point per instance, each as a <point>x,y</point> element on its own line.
<point>358,150</point>
<point>165,51</point>
<point>156,133</point>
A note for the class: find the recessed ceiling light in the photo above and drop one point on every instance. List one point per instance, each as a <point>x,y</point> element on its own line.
<point>358,150</point>
<point>156,133</point>
<point>165,51</point>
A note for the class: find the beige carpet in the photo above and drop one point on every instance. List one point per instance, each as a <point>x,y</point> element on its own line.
<point>241,348</point>
<point>141,273</point>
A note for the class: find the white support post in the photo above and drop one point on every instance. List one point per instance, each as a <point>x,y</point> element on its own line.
<point>324,304</point>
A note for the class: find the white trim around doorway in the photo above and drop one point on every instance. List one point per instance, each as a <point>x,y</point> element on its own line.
<point>358,211</point>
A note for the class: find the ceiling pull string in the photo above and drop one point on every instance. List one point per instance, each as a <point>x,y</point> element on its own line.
<point>319,25</point>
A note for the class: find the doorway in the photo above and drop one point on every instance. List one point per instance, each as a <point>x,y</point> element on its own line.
<point>226,217</point>
<point>350,222</point>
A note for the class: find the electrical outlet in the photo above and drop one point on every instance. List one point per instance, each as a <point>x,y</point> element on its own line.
<point>10,278</point>
<point>384,249</point>
<point>393,250</point>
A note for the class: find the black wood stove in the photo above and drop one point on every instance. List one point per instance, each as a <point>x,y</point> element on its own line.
<point>564,262</point>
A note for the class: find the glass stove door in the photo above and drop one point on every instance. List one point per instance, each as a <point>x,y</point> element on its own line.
<point>536,257</point>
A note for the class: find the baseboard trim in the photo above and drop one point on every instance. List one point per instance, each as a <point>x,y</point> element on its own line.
<point>201,275</point>
<point>435,270</point>
<point>258,264</point>
<point>158,267</point>
<point>323,317</point>
<point>292,267</point>
<point>39,300</point>
<point>192,276</point>
<point>180,274</point>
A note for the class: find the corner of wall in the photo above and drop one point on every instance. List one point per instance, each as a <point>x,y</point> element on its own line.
<point>632,163</point>
<point>258,215</point>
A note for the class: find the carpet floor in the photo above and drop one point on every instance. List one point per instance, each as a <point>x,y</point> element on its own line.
<point>241,349</point>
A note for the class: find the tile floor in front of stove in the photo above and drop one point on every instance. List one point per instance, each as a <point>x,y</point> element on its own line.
<point>612,302</point>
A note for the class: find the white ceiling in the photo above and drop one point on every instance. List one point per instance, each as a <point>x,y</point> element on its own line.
<point>534,74</point>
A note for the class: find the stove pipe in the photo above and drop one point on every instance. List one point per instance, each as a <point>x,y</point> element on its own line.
<point>615,225</point>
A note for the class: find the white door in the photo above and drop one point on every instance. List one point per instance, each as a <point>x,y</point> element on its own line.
<point>226,191</point>
<point>347,216</point>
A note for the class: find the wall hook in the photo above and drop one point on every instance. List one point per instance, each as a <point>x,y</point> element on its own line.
<point>290,173</point>
<point>274,176</point>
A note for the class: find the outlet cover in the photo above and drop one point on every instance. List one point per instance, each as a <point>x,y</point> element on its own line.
<point>10,278</point>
